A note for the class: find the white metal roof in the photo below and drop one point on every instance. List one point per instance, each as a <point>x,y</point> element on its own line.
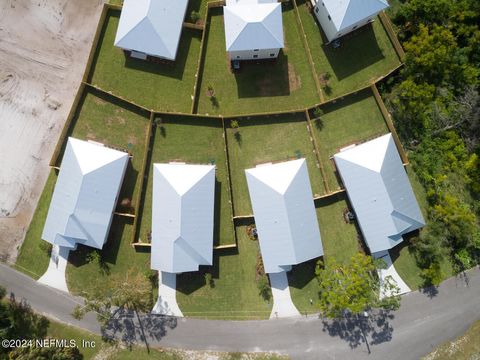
<point>380,192</point>
<point>182,216</point>
<point>151,26</point>
<point>253,24</point>
<point>85,195</point>
<point>345,13</point>
<point>285,215</point>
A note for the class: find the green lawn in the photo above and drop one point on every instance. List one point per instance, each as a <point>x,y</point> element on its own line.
<point>32,259</point>
<point>195,141</point>
<point>146,83</point>
<point>234,295</point>
<point>356,118</point>
<point>268,139</point>
<point>340,241</point>
<point>100,120</point>
<point>362,57</point>
<point>284,84</point>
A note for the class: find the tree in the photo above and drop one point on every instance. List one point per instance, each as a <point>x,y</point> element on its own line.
<point>353,287</point>
<point>46,353</point>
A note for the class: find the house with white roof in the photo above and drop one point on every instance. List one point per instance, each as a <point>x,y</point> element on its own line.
<point>381,196</point>
<point>339,17</point>
<point>253,29</point>
<point>285,214</point>
<point>85,195</point>
<point>182,226</point>
<point>151,27</point>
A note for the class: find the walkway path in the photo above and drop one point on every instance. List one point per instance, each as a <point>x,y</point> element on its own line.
<point>424,321</point>
<point>55,274</point>
<point>167,295</point>
<point>282,301</point>
<point>389,271</point>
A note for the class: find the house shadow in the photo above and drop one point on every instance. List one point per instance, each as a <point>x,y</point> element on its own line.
<point>216,212</point>
<point>124,326</point>
<point>265,78</point>
<point>358,50</point>
<point>190,282</point>
<point>302,274</point>
<point>358,329</point>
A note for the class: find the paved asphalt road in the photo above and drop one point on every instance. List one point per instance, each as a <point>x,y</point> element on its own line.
<point>423,321</point>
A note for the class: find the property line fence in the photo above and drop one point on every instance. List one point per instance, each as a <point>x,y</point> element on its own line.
<point>86,87</point>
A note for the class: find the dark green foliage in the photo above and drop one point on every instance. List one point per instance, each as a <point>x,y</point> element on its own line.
<point>46,353</point>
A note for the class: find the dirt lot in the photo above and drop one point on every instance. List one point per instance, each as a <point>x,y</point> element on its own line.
<point>44,45</point>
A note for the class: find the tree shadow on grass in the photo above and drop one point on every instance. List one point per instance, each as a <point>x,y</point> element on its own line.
<point>124,326</point>
<point>357,330</point>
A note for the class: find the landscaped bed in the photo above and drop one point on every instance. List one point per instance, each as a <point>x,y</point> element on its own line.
<point>166,86</point>
<point>340,241</point>
<point>284,84</point>
<point>194,141</point>
<point>233,294</point>
<point>354,119</point>
<point>264,139</point>
<point>363,56</point>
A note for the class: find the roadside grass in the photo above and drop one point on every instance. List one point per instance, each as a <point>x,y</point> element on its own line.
<point>466,346</point>
<point>32,259</point>
<point>283,84</point>
<point>265,139</point>
<point>194,141</point>
<point>403,256</point>
<point>362,57</point>
<point>234,294</point>
<point>353,119</point>
<point>340,241</point>
<point>116,125</point>
<point>160,86</point>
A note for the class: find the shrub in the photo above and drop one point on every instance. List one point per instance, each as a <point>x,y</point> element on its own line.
<point>195,16</point>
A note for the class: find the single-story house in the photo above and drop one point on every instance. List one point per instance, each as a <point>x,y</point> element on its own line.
<point>151,27</point>
<point>339,17</point>
<point>182,217</point>
<point>85,195</point>
<point>253,29</point>
<point>380,192</point>
<point>285,216</point>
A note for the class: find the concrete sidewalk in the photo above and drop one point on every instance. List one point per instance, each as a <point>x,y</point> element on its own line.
<point>167,295</point>
<point>282,301</point>
<point>55,274</point>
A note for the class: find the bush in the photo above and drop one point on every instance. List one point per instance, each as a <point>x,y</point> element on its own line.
<point>264,289</point>
<point>195,16</point>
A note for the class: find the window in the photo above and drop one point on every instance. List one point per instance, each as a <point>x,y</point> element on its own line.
<point>255,49</point>
<point>354,27</point>
<point>339,34</point>
<point>316,10</point>
<point>255,56</point>
<point>329,18</point>
<point>238,56</point>
<point>272,55</point>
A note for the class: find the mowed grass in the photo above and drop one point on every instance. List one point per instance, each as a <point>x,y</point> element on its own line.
<point>194,141</point>
<point>339,240</point>
<point>264,139</point>
<point>354,119</point>
<point>120,127</point>
<point>284,84</point>
<point>32,258</point>
<point>362,57</point>
<point>159,86</point>
<point>234,295</point>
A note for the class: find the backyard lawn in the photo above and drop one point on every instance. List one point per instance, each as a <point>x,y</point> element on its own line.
<point>339,240</point>
<point>284,84</point>
<point>146,83</point>
<point>362,57</point>
<point>194,141</point>
<point>234,294</point>
<point>33,256</point>
<point>356,118</point>
<point>268,139</point>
